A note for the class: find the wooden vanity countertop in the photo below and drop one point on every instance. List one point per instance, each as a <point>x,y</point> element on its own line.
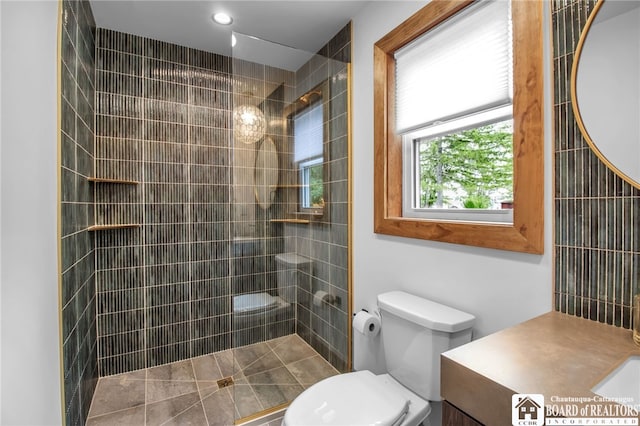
<point>554,354</point>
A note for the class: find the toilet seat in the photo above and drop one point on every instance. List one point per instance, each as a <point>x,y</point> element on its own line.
<point>253,302</point>
<point>359,398</point>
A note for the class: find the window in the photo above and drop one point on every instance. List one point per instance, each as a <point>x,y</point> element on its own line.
<point>457,161</point>
<point>311,184</point>
<point>460,81</point>
<point>465,174</point>
<point>308,152</point>
<point>308,143</point>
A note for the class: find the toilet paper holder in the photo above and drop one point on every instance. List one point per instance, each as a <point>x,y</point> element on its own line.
<point>324,298</point>
<point>366,323</point>
<point>330,299</point>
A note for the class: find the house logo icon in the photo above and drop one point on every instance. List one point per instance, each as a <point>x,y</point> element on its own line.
<point>527,410</point>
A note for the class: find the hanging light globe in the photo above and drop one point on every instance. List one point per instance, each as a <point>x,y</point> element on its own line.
<point>248,124</point>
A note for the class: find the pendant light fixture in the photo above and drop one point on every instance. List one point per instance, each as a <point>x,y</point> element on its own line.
<point>249,124</point>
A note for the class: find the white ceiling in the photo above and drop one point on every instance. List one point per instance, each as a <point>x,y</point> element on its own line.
<point>302,24</point>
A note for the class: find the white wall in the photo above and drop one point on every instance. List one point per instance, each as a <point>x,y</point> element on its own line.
<point>500,288</point>
<point>30,369</point>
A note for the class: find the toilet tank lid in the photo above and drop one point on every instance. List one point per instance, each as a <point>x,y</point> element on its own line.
<point>425,312</point>
<point>292,259</point>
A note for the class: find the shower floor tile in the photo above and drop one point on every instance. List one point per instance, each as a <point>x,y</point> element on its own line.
<point>264,376</point>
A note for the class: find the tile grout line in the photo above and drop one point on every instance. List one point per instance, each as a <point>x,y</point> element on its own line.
<point>193,368</point>
<point>253,391</point>
<point>115,411</point>
<point>146,384</point>
<point>185,410</point>
<point>257,359</point>
<point>286,366</point>
<point>171,397</point>
<point>143,404</point>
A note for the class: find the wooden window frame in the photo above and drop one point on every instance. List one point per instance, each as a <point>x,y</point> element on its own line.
<point>526,233</point>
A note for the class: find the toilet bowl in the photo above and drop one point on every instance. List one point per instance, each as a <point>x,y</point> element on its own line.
<point>415,331</point>
<point>253,309</point>
<point>260,308</point>
<point>358,398</point>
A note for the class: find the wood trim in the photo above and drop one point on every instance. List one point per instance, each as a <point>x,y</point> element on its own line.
<point>526,234</point>
<point>551,65</point>
<point>106,180</point>
<point>349,213</point>
<point>380,148</point>
<point>420,22</point>
<point>109,227</point>
<point>247,420</point>
<point>299,221</point>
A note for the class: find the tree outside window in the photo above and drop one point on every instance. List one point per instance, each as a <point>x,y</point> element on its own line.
<point>470,169</point>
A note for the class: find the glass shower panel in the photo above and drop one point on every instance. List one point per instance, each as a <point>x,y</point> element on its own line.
<point>289,255</point>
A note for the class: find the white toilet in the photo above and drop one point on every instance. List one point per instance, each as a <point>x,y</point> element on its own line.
<point>415,331</point>
<point>255,309</point>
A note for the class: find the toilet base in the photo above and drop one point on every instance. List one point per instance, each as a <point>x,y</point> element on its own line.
<point>254,327</point>
<point>419,409</point>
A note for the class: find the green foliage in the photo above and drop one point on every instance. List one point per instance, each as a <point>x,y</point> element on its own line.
<point>476,201</point>
<point>476,165</point>
<point>316,186</point>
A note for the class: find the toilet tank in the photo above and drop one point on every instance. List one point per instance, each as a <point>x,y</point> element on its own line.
<point>415,331</point>
<point>289,267</point>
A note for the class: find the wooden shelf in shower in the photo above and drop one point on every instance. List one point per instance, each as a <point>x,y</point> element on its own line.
<point>299,221</point>
<point>116,226</point>
<point>106,180</point>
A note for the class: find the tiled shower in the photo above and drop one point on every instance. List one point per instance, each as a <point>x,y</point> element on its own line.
<point>163,288</point>
<point>147,145</point>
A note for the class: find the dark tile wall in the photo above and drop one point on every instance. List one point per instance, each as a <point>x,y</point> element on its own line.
<point>165,288</point>
<point>78,260</point>
<point>326,327</point>
<point>597,243</point>
<point>162,120</point>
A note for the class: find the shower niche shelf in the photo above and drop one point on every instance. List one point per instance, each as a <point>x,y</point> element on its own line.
<point>112,226</point>
<point>116,226</point>
<point>299,221</point>
<point>107,180</point>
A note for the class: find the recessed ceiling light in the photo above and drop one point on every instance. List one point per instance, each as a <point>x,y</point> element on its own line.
<point>222,18</point>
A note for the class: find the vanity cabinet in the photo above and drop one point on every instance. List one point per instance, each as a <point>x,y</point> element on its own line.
<point>552,355</point>
<point>452,416</point>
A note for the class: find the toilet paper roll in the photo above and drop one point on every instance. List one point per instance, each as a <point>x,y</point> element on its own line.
<point>367,324</point>
<point>319,297</point>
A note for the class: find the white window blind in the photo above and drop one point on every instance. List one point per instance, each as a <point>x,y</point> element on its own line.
<point>308,136</point>
<point>461,67</point>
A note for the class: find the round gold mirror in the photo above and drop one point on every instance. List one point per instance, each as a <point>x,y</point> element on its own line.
<point>266,173</point>
<point>605,86</point>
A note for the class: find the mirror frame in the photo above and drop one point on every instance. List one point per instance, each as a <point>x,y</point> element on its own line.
<point>526,233</point>
<point>260,188</point>
<point>322,92</point>
<point>574,99</point>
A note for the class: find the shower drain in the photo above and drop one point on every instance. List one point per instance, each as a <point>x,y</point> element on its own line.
<point>223,383</point>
